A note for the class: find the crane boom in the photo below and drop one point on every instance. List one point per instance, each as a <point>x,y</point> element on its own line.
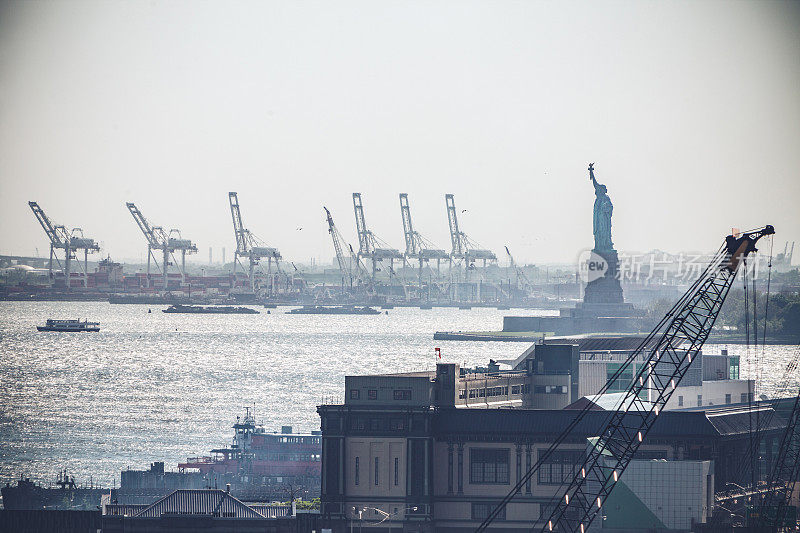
<point>155,238</point>
<point>365,244</point>
<point>337,246</point>
<point>452,219</point>
<point>521,276</point>
<point>772,511</point>
<point>668,352</point>
<point>59,238</point>
<point>238,227</point>
<point>408,228</point>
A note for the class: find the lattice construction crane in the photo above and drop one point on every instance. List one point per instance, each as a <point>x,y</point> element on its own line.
<point>463,247</point>
<point>417,246</point>
<point>70,242</point>
<point>249,246</point>
<point>369,245</point>
<point>168,243</point>
<point>351,268</point>
<point>668,352</point>
<point>336,237</point>
<point>522,280</point>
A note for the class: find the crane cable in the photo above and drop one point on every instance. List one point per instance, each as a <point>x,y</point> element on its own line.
<point>750,376</point>
<point>755,444</point>
<point>759,426</point>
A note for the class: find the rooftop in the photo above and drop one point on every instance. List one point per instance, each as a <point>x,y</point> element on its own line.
<point>715,421</point>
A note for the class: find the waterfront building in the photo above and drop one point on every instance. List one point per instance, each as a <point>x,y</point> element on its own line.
<point>429,451</point>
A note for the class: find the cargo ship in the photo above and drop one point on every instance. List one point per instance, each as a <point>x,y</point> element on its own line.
<point>69,325</point>
<point>342,310</point>
<point>214,310</point>
<point>259,467</point>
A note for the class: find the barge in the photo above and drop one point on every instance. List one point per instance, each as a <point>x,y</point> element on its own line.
<point>211,310</point>
<point>341,310</point>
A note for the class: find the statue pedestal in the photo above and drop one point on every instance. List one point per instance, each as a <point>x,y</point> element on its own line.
<point>605,290</point>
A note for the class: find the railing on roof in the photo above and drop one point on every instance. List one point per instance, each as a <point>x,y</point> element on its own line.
<point>271,511</point>
<point>201,460</point>
<point>332,400</point>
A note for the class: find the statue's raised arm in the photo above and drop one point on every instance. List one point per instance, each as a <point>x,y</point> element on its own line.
<point>591,176</point>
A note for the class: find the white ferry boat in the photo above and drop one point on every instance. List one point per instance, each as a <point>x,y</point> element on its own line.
<point>69,325</point>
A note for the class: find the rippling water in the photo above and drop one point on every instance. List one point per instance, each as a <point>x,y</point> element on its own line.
<point>162,387</point>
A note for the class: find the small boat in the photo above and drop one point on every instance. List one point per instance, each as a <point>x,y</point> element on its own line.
<point>216,310</point>
<point>69,325</point>
<point>342,310</point>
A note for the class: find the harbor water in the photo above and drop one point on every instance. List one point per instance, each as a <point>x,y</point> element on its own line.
<point>152,386</point>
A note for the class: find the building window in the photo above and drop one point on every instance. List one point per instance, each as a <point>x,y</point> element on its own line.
<point>680,401</point>
<point>514,389</point>
<point>397,424</point>
<point>356,476</point>
<point>376,471</point>
<point>402,394</point>
<point>374,424</point>
<point>622,382</point>
<point>727,398</point>
<point>550,389</point>
<point>733,369</point>
<point>480,511</point>
<point>372,394</point>
<point>559,467</point>
<point>743,397</point>
<point>488,465</point>
<point>354,394</point>
<point>357,424</point>
<point>699,400</point>
<point>396,471</point>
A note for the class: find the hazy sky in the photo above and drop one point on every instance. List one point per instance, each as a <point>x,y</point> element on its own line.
<point>690,110</point>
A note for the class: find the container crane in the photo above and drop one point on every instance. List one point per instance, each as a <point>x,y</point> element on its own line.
<point>168,243</point>
<point>369,245</point>
<point>248,245</point>
<point>668,351</point>
<point>417,246</point>
<point>463,247</point>
<point>70,242</point>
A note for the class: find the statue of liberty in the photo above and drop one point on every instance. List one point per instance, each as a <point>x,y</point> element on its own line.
<point>601,222</point>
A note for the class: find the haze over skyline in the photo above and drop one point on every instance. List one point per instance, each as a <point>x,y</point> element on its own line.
<point>690,112</point>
